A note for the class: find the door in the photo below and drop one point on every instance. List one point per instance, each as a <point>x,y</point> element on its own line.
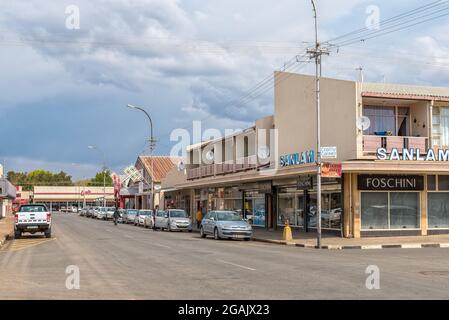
<point>211,222</point>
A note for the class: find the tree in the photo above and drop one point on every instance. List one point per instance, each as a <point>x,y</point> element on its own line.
<point>98,180</point>
<point>39,178</point>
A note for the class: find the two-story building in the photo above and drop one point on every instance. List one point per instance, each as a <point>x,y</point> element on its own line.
<point>388,176</point>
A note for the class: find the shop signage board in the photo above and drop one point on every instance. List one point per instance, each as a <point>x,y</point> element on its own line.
<point>411,154</point>
<point>297,158</point>
<point>304,183</point>
<point>328,152</point>
<point>390,182</point>
<point>331,170</point>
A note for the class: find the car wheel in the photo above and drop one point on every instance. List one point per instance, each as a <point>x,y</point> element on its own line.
<point>48,234</point>
<point>202,234</point>
<point>247,239</point>
<point>216,235</point>
<point>17,234</point>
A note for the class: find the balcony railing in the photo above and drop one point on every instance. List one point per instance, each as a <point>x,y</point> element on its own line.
<point>242,164</point>
<point>372,143</point>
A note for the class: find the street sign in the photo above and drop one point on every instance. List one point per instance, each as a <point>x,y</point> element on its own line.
<point>328,152</point>
<point>331,170</point>
<point>133,174</point>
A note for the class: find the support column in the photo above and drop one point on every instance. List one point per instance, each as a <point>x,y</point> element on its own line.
<point>356,214</point>
<point>423,196</point>
<point>347,206</point>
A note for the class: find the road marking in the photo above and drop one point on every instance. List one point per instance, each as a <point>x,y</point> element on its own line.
<point>160,245</point>
<point>236,265</point>
<point>21,244</point>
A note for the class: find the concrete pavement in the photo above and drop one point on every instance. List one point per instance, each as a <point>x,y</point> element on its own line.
<point>127,262</point>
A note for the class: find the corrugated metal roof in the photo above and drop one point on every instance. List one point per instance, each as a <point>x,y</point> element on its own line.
<point>401,91</point>
<point>161,165</point>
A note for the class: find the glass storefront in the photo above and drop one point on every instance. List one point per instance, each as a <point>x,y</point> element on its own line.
<point>438,210</point>
<point>255,210</point>
<point>292,205</point>
<point>390,210</point>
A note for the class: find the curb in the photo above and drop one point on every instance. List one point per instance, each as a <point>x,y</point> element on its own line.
<point>357,247</point>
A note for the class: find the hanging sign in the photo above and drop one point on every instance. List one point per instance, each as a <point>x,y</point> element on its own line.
<point>331,170</point>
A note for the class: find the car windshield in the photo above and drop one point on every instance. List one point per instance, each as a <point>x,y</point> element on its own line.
<point>145,212</point>
<point>32,209</point>
<point>178,214</point>
<point>228,216</point>
<point>111,209</point>
<point>132,212</point>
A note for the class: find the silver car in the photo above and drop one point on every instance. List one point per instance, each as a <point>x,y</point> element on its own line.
<point>225,224</point>
<point>110,213</point>
<point>148,221</point>
<point>101,213</point>
<point>139,220</point>
<point>173,219</point>
<point>129,216</point>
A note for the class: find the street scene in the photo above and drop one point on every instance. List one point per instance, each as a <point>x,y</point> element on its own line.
<point>178,150</point>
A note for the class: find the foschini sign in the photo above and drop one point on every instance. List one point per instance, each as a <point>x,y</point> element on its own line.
<point>390,183</point>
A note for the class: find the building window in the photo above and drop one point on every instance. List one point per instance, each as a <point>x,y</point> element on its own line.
<point>440,126</point>
<point>438,210</point>
<point>443,183</point>
<point>390,210</point>
<point>431,182</point>
<point>388,120</point>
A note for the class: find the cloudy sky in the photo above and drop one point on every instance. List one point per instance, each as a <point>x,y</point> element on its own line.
<point>183,60</point>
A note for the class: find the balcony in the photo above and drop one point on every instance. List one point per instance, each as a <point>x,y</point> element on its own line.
<point>228,167</point>
<point>372,143</point>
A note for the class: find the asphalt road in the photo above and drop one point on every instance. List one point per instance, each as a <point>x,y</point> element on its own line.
<point>127,262</point>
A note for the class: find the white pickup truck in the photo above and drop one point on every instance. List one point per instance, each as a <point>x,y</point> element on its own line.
<point>32,218</point>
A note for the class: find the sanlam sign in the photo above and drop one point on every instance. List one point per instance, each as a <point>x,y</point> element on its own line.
<point>297,158</point>
<point>413,155</point>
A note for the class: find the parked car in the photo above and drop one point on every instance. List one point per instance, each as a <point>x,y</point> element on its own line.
<point>110,213</point>
<point>101,213</point>
<point>83,212</point>
<point>89,212</point>
<point>32,218</point>
<point>95,212</point>
<point>148,221</point>
<point>140,216</point>
<point>173,219</point>
<point>225,224</point>
<point>129,215</point>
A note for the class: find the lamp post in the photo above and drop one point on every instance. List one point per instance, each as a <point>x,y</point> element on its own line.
<point>152,147</point>
<point>104,171</point>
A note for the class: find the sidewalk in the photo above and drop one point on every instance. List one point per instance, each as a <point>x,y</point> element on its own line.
<point>332,241</point>
<point>6,228</point>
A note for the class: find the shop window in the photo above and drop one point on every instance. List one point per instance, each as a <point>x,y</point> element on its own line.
<point>335,212</point>
<point>286,203</point>
<point>374,210</point>
<point>443,183</point>
<point>431,182</point>
<point>390,210</point>
<point>404,210</point>
<point>438,210</point>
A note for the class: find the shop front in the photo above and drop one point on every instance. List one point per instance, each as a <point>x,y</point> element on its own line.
<point>385,204</point>
<point>297,202</point>
<point>251,201</point>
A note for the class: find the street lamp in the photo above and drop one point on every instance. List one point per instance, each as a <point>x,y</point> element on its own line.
<point>104,171</point>
<point>152,147</point>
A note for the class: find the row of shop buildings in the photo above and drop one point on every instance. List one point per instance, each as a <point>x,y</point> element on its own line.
<point>386,170</point>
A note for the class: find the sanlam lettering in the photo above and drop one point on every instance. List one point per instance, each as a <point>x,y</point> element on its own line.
<point>413,155</point>
<point>297,159</point>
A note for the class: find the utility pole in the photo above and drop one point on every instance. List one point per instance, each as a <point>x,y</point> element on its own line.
<point>152,141</point>
<point>316,53</point>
